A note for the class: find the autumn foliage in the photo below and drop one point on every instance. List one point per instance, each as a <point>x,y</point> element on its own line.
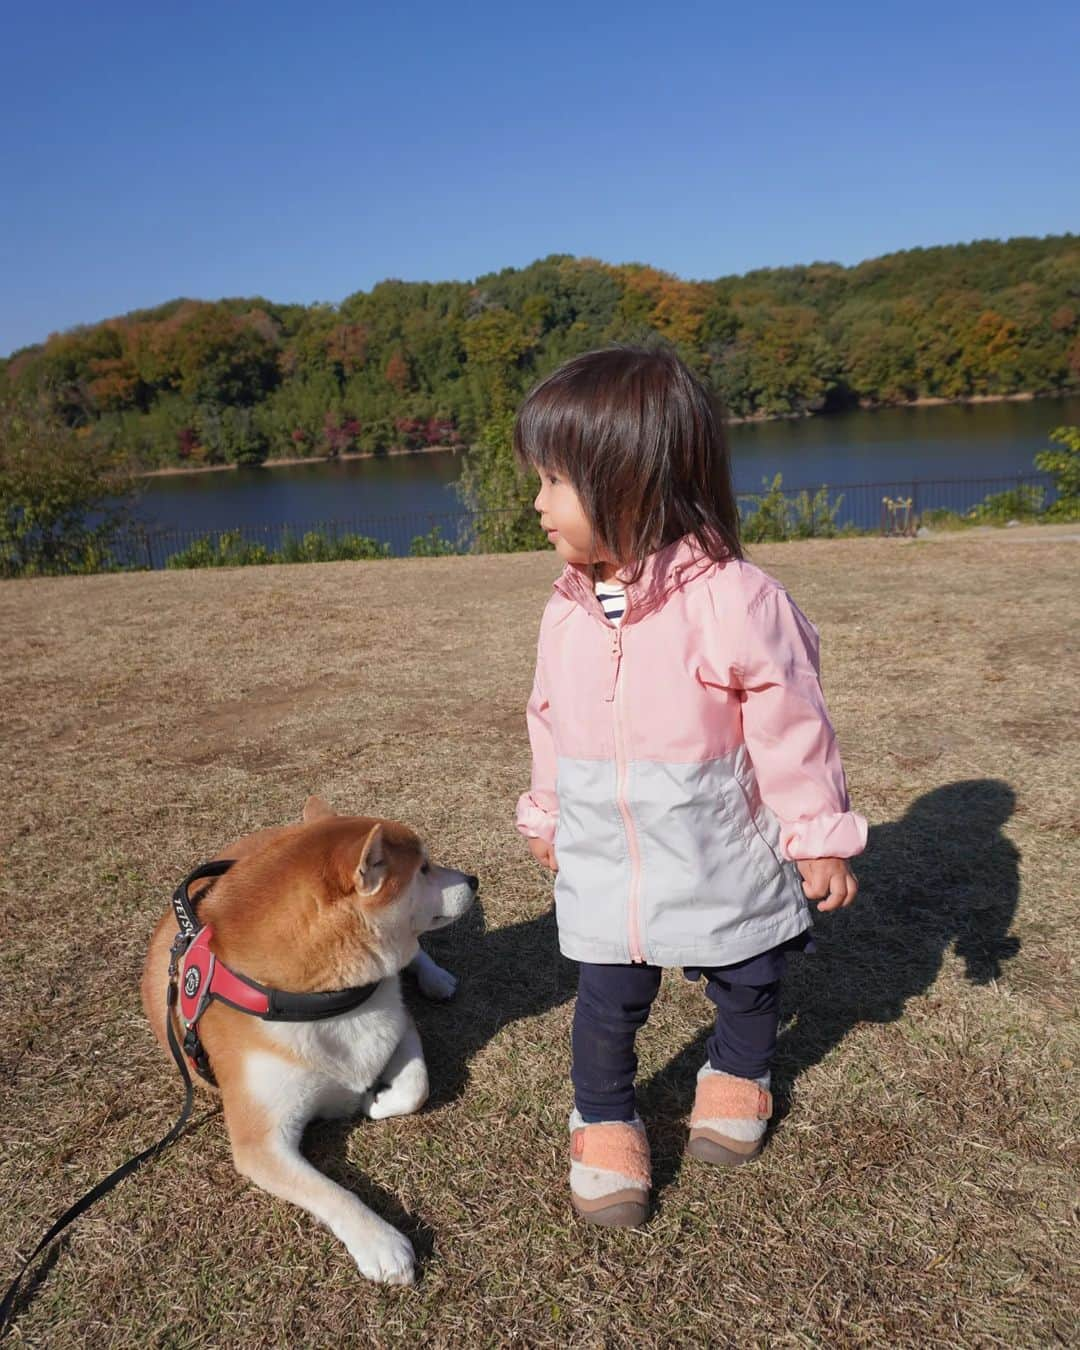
<point>411,365</point>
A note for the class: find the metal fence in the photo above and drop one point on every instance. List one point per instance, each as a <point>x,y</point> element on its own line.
<point>861,505</point>
<point>146,546</point>
<point>858,506</point>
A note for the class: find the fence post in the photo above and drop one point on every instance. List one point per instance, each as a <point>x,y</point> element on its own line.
<point>914,525</point>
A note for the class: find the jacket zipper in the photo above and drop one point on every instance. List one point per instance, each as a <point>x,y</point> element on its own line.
<point>633,926</point>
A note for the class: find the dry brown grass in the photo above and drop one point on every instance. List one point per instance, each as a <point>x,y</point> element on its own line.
<point>917,1189</point>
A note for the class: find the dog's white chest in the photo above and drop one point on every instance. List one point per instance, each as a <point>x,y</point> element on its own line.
<point>346,1052</point>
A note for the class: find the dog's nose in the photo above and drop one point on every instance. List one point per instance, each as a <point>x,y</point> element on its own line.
<point>473,883</point>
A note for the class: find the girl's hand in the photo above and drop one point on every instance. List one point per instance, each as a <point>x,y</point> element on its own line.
<point>543,852</point>
<point>829,881</point>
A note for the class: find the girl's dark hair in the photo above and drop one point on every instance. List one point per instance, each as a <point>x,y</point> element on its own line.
<point>641,440</point>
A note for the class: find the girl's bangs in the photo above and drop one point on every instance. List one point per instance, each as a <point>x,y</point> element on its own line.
<point>547,433</point>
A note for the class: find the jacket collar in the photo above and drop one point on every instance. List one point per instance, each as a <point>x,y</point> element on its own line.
<point>663,572</point>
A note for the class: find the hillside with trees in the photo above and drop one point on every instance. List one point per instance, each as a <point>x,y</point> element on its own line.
<point>416,364</point>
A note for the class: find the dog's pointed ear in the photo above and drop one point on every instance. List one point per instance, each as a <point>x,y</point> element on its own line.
<point>372,867</point>
<point>315,809</point>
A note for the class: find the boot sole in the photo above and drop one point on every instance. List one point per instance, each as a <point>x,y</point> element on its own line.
<point>625,1214</point>
<point>707,1150</point>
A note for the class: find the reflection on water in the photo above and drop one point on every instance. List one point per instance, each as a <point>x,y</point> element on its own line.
<point>964,441</point>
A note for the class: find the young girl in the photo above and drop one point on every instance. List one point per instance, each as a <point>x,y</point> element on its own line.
<point>687,788</point>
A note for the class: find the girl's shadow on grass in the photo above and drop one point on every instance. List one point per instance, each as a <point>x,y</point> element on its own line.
<point>944,876</point>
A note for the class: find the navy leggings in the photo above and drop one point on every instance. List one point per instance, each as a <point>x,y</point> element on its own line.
<point>614,1001</point>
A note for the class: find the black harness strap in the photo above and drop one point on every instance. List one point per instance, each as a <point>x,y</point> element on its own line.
<point>183,905</point>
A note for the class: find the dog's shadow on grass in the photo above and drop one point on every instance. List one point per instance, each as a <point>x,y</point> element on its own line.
<point>944,876</point>
<point>326,1146</point>
<point>505,974</point>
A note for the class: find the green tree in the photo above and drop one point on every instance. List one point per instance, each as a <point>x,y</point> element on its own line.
<point>231,435</point>
<point>1064,465</point>
<point>62,496</point>
<point>494,487</point>
<point>494,341</point>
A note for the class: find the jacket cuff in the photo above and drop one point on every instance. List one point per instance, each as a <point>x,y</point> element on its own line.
<point>533,821</point>
<point>836,836</point>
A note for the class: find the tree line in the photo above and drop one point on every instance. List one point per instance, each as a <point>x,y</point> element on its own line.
<point>415,364</point>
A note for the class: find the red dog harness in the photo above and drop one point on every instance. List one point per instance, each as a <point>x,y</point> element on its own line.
<point>203,977</point>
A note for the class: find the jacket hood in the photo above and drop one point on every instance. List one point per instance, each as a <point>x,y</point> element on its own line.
<point>663,572</point>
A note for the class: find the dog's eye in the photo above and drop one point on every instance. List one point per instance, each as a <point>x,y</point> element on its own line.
<point>426,868</point>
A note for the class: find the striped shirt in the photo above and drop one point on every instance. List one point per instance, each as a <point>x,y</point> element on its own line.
<point>612,599</point>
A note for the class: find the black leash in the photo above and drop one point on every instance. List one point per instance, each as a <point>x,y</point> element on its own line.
<point>277,1006</point>
<point>114,1178</point>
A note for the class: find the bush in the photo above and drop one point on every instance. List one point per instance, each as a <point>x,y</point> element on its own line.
<point>814,517</point>
<point>1064,465</point>
<point>431,545</point>
<point>769,519</point>
<point>943,518</point>
<point>775,516</point>
<point>315,547</point>
<point>231,549</point>
<point>1024,502</point>
<point>1019,503</point>
<point>53,483</point>
<point>228,549</point>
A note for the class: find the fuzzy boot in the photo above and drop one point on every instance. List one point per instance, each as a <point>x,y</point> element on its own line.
<point>610,1172</point>
<point>727,1126</point>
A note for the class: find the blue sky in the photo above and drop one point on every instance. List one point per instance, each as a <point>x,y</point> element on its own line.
<point>303,152</point>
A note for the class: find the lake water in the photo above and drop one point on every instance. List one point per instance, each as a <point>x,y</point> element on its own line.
<point>892,446</point>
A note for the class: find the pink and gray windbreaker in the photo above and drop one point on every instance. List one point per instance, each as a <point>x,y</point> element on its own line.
<point>681,762</point>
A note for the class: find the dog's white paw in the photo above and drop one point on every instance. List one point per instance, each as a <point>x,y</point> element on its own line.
<point>400,1098</point>
<point>436,983</point>
<point>385,1256</point>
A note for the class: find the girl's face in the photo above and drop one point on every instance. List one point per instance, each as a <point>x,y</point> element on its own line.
<point>562,516</point>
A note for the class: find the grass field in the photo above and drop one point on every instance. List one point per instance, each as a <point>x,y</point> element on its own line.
<point>919,1188</point>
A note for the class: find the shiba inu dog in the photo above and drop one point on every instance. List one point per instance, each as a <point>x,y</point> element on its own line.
<point>308,918</point>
